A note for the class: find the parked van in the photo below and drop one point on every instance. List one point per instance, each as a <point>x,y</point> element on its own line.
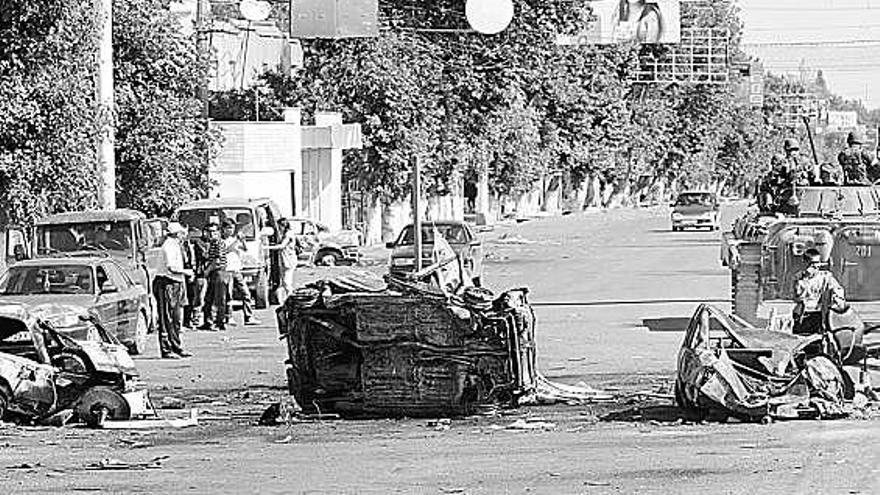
<point>256,220</point>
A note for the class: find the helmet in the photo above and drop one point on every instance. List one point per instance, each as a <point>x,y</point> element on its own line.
<point>791,145</point>
<point>855,137</point>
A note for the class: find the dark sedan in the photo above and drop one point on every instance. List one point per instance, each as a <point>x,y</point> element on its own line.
<point>49,286</point>
<point>458,234</point>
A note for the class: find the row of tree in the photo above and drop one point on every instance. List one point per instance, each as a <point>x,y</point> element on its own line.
<point>517,105</point>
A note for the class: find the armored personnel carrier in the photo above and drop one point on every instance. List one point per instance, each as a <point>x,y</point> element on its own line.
<point>764,251</point>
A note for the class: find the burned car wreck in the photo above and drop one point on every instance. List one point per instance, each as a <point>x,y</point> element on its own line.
<point>44,372</point>
<point>728,367</point>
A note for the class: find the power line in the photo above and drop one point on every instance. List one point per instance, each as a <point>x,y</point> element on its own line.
<point>863,42</point>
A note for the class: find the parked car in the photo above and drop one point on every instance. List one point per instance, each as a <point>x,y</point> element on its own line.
<point>126,236</point>
<point>325,247</point>
<point>695,209</point>
<point>43,371</point>
<point>51,285</point>
<point>461,238</point>
<point>256,221</point>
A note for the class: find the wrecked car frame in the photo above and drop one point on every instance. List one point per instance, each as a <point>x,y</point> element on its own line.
<point>43,372</point>
<point>727,366</point>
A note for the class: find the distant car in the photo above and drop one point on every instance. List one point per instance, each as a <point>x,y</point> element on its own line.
<point>256,220</point>
<point>48,285</point>
<point>43,371</point>
<point>458,234</point>
<point>325,247</point>
<point>695,209</point>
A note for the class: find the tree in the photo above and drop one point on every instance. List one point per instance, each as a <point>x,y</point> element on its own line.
<point>163,145</point>
<point>49,118</point>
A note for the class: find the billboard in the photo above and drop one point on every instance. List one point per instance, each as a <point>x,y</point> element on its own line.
<point>334,18</point>
<point>624,21</point>
<point>842,120</point>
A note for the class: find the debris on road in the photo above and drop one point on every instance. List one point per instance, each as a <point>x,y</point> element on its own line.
<point>150,424</point>
<point>118,465</point>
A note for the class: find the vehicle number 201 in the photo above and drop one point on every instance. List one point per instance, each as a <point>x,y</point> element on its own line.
<point>863,251</point>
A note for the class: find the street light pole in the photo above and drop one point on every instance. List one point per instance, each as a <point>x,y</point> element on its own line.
<point>106,152</point>
<point>417,217</point>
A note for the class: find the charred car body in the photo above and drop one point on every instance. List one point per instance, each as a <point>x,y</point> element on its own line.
<point>727,366</point>
<point>43,371</point>
<point>765,252</point>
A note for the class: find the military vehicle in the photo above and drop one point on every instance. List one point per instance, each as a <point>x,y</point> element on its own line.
<point>765,251</point>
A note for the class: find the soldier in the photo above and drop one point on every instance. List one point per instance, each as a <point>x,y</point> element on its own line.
<point>815,292</point>
<point>859,167</point>
<point>777,188</point>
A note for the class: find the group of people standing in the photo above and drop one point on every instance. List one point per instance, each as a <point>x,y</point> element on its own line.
<point>854,166</point>
<point>198,280</point>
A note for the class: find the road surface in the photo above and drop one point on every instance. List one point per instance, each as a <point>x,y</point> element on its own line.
<point>635,445</point>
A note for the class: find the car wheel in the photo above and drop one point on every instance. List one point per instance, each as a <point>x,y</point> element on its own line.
<point>327,258</point>
<point>100,403</point>
<point>675,229</point>
<point>139,344</point>
<point>261,289</point>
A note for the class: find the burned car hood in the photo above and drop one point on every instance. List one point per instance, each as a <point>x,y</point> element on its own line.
<point>109,358</point>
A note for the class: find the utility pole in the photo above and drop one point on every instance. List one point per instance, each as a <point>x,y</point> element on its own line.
<point>417,217</point>
<point>106,152</point>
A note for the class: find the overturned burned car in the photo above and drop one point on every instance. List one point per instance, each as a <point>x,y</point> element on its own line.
<point>43,372</point>
<point>406,349</point>
<point>728,367</point>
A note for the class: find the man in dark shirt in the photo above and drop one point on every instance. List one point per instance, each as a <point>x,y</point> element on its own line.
<point>218,284</point>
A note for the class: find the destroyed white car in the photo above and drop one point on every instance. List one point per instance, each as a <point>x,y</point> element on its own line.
<point>43,372</point>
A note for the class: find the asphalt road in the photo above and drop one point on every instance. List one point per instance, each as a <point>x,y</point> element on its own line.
<point>635,445</point>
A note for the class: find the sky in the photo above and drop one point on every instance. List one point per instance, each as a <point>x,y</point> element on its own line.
<point>841,37</point>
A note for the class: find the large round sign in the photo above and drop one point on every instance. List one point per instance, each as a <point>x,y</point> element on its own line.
<point>489,16</point>
<point>254,10</point>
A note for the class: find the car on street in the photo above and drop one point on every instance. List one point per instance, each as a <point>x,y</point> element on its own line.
<point>43,371</point>
<point>461,238</point>
<point>325,247</point>
<point>50,286</point>
<point>256,221</point>
<point>695,209</point>
<point>127,236</point>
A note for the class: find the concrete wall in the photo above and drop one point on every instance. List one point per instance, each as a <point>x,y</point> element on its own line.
<point>257,160</point>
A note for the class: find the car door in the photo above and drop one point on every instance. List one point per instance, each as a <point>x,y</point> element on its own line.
<point>126,301</point>
<point>107,299</point>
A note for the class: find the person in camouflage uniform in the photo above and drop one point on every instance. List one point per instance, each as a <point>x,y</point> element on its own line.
<point>859,167</point>
<point>776,191</point>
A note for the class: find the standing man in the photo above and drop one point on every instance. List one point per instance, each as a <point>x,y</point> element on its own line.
<point>218,284</point>
<point>168,288</point>
<point>194,259</point>
<point>233,244</point>
<point>859,167</point>
<point>290,248</point>
<point>815,291</point>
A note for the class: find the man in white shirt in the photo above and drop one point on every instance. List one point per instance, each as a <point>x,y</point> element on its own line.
<point>235,248</point>
<point>168,288</point>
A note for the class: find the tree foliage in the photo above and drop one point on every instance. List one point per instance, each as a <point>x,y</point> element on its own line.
<point>49,119</point>
<point>163,145</point>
